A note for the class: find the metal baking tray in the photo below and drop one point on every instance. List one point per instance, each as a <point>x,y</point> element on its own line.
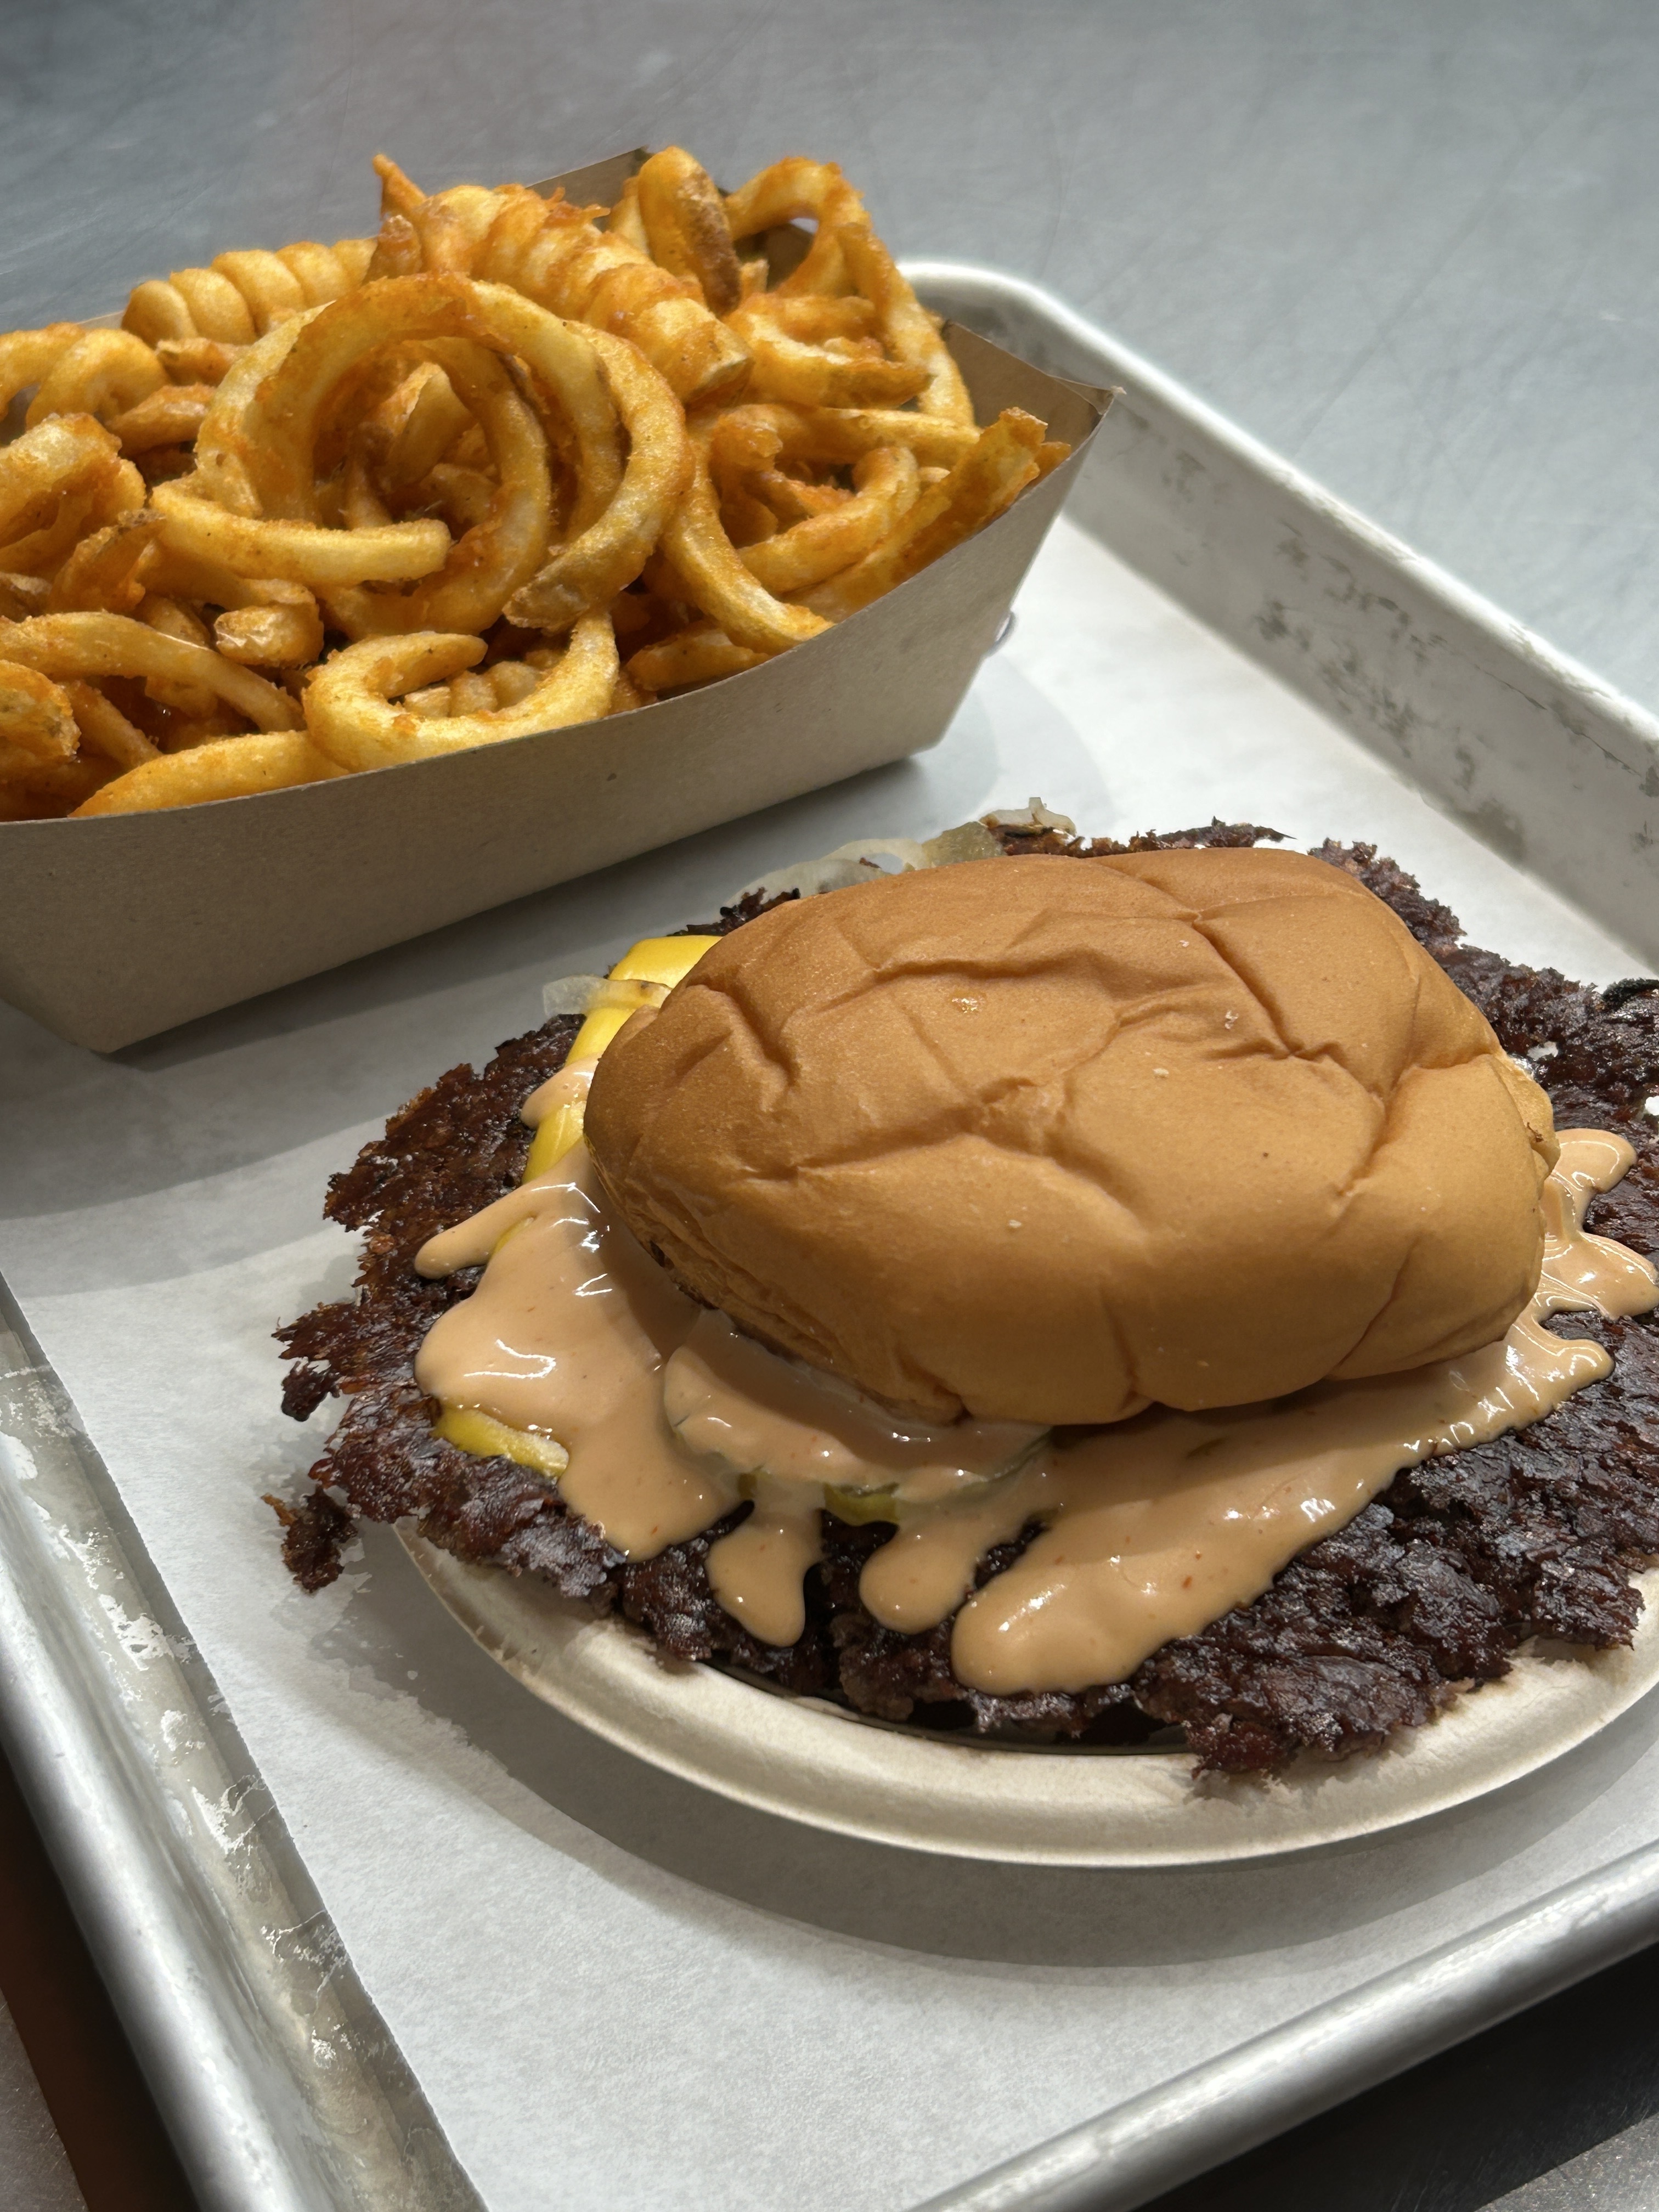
<point>277,2074</point>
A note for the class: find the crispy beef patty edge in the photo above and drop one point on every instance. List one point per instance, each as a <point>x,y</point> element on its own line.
<point>1430,1589</point>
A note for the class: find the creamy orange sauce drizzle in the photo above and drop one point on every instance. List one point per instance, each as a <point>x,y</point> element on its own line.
<point>1152,1528</point>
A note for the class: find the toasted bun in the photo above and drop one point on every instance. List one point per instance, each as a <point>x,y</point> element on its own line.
<point>1043,1138</point>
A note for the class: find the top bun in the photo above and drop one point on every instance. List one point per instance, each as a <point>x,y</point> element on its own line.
<point>1044,1138</point>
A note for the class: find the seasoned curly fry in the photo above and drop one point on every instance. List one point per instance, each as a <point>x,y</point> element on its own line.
<point>808,551</point>
<point>104,373</point>
<point>788,190</point>
<point>697,654</point>
<point>47,464</point>
<point>1003,462</point>
<point>106,571</point>
<point>223,768</point>
<point>105,728</point>
<point>686,228</point>
<point>832,436</point>
<point>911,334</point>
<point>718,581</point>
<point>99,645</point>
<point>350,713</point>
<point>170,417</point>
<point>27,356</point>
<point>272,635</point>
<point>503,548</point>
<point>302,552</point>
<point>815,375</point>
<point>244,295</point>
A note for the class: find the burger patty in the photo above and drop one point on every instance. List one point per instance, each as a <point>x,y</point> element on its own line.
<point>1428,1589</point>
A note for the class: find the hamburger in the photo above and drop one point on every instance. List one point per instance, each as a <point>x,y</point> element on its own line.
<point>1075,1292</point>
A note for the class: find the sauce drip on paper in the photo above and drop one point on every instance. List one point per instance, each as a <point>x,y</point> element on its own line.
<point>1151,1529</point>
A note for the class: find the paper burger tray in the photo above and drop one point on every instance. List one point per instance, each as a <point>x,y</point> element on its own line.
<point>389,1933</point>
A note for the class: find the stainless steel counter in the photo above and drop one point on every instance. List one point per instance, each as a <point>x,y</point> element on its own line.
<point>1413,247</point>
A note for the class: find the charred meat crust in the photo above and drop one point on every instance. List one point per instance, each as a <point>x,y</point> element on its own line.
<point>1432,1587</point>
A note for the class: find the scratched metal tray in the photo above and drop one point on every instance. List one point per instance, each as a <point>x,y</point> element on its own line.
<point>280,2082</point>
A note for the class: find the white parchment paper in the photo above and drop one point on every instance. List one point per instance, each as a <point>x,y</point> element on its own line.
<point>617,1991</point>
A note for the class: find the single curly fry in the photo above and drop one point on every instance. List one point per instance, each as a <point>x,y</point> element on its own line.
<point>106,571</point>
<point>104,373</point>
<point>223,768</point>
<point>991,477</point>
<point>27,356</point>
<point>198,361</point>
<point>268,419</point>
<point>911,331</point>
<point>243,295</point>
<point>816,317</point>
<point>269,290</point>
<point>831,437</point>
<point>713,573</point>
<point>217,308</point>
<point>170,417</point>
<point>805,375</point>
<point>792,500</point>
<point>788,190</point>
<point>100,645</point>
<point>271,415</point>
<point>697,654</point>
<point>272,636</point>
<point>71,454</point>
<point>685,227</point>
<point>105,729</point>
<point>324,272</point>
<point>606,556</point>
<point>36,717</point>
<point>625,222</point>
<point>350,713</point>
<point>887,484</point>
<point>158,312</point>
<point>300,552</point>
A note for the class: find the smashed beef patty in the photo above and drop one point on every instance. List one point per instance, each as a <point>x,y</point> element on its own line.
<point>1430,1588</point>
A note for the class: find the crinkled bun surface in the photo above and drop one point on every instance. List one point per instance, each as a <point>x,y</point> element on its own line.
<point>1043,1138</point>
